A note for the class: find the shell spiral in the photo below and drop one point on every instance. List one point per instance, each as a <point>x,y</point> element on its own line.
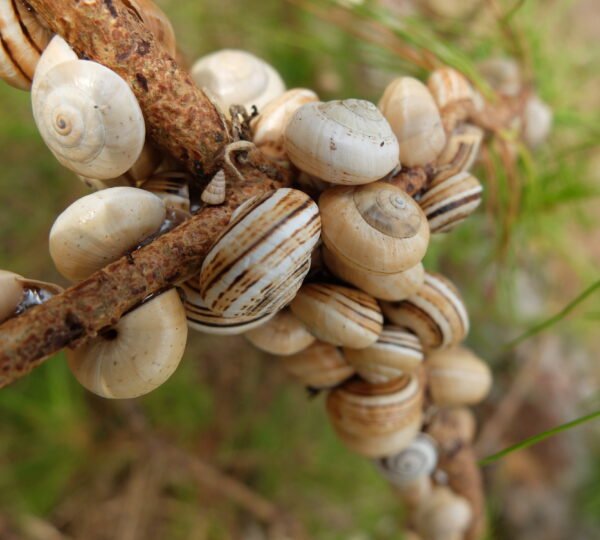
<point>414,462</point>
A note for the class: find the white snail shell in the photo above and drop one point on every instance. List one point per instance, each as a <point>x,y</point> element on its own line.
<point>136,356</point>
<point>214,193</point>
<point>11,292</point>
<point>89,118</point>
<point>101,227</point>
<point>342,142</point>
<point>537,122</point>
<point>235,77</point>
<point>443,515</point>
<point>57,52</point>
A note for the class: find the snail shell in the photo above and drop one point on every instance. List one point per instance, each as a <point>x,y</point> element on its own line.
<point>377,227</point>
<point>157,22</point>
<point>342,142</point>
<point>396,286</point>
<point>260,260</point>
<point>414,117</point>
<point>459,154</point>
<point>172,188</point>
<point>436,313</point>
<point>235,77</point>
<point>338,315</point>
<point>448,86</point>
<point>460,420</point>
<point>537,122</point>
<point>101,227</point>
<point>89,118</point>
<point>443,515</point>
<point>214,193</point>
<point>377,420</point>
<point>284,334</point>
<point>451,201</point>
<point>457,377</point>
<point>269,127</point>
<point>395,352</point>
<point>318,366</point>
<point>11,293</point>
<point>502,74</point>
<point>138,354</point>
<point>22,39</point>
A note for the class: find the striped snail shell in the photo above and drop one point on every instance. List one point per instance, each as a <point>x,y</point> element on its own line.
<point>415,119</point>
<point>377,420</point>
<point>451,201</point>
<point>319,366</point>
<point>456,376</point>
<point>343,142</point>
<point>157,22</point>
<point>395,352</point>
<point>172,188</point>
<point>459,154</point>
<point>259,262</point>
<point>397,286</point>
<point>448,86</point>
<point>214,193</point>
<point>376,227</point>
<point>22,39</point>
<point>202,319</point>
<point>443,515</point>
<point>284,335</point>
<point>436,313</point>
<point>338,315</point>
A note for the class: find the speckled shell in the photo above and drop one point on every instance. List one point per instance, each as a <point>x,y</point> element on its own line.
<point>269,127</point>
<point>338,315</point>
<point>158,23</point>
<point>414,117</point>
<point>436,313</point>
<point>377,227</point>
<point>396,286</point>
<point>459,154</point>
<point>148,347</point>
<point>22,40</point>
<point>259,261</point>
<point>377,420</point>
<point>457,377</point>
<point>448,86</point>
<point>450,202</point>
<point>343,142</point>
<point>318,366</point>
<point>395,353</point>
<point>443,515</point>
<point>202,319</point>
<point>284,335</point>
<point>172,188</point>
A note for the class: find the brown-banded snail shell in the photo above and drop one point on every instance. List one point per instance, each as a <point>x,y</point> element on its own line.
<point>448,86</point>
<point>460,152</point>
<point>377,420</point>
<point>377,227</point>
<point>172,188</point>
<point>436,313</point>
<point>338,315</point>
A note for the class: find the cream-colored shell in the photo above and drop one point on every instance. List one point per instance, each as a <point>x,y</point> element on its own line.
<point>11,293</point>
<point>101,227</point>
<point>459,154</point>
<point>377,227</point>
<point>22,40</point>
<point>284,335</point>
<point>414,117</point>
<point>214,193</point>
<point>443,515</point>
<point>456,376</point>
<point>377,420</point>
<point>158,23</point>
<point>537,122</point>
<point>395,353</point>
<point>460,419</point>
<point>89,118</point>
<point>234,77</point>
<point>269,127</point>
<point>172,187</point>
<point>448,86</point>
<point>338,315</point>
<point>343,142</point>
<point>138,355</point>
<point>396,286</point>
<point>57,52</point>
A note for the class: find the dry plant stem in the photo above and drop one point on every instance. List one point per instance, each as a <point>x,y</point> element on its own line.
<point>99,301</point>
<point>180,119</point>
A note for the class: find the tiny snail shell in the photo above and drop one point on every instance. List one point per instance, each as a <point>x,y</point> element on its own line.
<point>443,515</point>
<point>214,193</point>
<point>235,77</point>
<point>202,319</point>
<point>269,127</point>
<point>377,420</point>
<point>377,227</point>
<point>459,154</point>
<point>457,377</point>
<point>338,315</point>
<point>411,111</point>
<point>537,122</point>
<point>157,22</point>
<point>284,335</point>
<point>342,142</point>
<point>318,366</point>
<point>436,313</point>
<point>101,227</point>
<point>397,286</point>
<point>448,86</point>
<point>138,354</point>
<point>259,261</point>
<point>22,39</point>
<point>11,293</point>
<point>172,188</point>
<point>451,201</point>
<point>395,352</point>
<point>89,118</point>
<point>503,75</point>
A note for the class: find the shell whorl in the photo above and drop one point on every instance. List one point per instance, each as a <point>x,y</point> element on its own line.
<point>416,461</point>
<point>214,193</point>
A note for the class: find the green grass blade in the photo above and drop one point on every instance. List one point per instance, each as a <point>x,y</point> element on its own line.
<point>530,441</point>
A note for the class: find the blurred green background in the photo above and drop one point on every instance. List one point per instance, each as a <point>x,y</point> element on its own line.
<point>75,466</point>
